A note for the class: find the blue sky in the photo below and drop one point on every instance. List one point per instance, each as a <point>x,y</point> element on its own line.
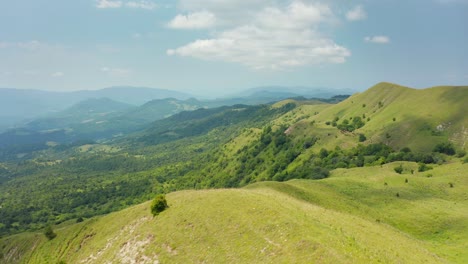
<point>213,47</point>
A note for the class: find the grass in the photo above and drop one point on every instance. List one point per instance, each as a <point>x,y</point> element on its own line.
<point>351,217</point>
<point>417,113</point>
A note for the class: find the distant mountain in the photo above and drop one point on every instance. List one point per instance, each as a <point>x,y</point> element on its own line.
<point>133,95</point>
<point>18,106</point>
<point>90,120</point>
<point>285,92</point>
<point>162,108</point>
<point>90,110</point>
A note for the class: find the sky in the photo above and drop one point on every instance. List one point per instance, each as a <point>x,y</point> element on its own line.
<point>214,47</point>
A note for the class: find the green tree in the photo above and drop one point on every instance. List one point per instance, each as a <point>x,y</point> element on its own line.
<point>362,138</point>
<point>49,233</point>
<point>445,147</point>
<point>399,169</point>
<point>159,204</point>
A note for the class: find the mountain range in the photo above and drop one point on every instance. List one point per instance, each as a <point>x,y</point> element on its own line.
<point>20,106</point>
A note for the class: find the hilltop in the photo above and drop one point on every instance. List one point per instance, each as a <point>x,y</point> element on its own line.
<point>354,216</point>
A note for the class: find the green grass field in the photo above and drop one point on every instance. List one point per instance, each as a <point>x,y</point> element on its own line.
<point>354,216</point>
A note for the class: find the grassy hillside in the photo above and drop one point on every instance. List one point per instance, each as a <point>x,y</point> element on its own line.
<point>231,147</point>
<point>352,217</point>
<point>399,116</point>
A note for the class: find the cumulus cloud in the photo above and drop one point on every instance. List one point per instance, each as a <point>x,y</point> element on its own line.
<point>377,39</point>
<point>197,20</point>
<point>108,4</point>
<point>273,37</point>
<point>141,4</point>
<point>144,4</point>
<point>357,13</point>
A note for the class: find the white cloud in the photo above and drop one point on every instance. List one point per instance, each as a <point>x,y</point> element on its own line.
<point>274,38</point>
<point>357,13</point>
<point>219,5</point>
<point>57,74</point>
<point>377,39</point>
<point>296,16</point>
<point>197,20</point>
<point>228,12</point>
<point>108,4</point>
<point>141,4</point>
<point>116,72</point>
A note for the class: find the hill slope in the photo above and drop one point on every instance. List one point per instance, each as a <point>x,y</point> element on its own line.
<point>398,116</point>
<point>352,217</point>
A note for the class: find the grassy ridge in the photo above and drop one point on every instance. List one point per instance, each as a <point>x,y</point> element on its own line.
<point>350,217</point>
<point>398,116</point>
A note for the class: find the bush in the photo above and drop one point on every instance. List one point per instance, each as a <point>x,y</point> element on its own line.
<point>445,147</point>
<point>423,167</point>
<point>461,154</point>
<point>159,204</point>
<point>399,169</point>
<point>362,138</point>
<point>49,233</point>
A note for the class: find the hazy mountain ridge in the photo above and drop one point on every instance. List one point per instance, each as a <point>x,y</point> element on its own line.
<point>22,105</point>
<point>104,119</point>
<point>19,106</point>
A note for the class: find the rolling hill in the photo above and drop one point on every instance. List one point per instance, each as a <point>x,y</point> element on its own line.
<point>378,177</point>
<point>352,217</point>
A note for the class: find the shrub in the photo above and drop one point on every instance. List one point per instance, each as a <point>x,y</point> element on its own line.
<point>405,150</point>
<point>362,138</point>
<point>445,147</point>
<point>461,154</point>
<point>49,233</point>
<point>398,169</point>
<point>423,167</point>
<point>159,204</point>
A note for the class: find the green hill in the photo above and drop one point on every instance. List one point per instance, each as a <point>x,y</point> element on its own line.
<point>390,158</point>
<point>352,217</point>
<point>399,116</point>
